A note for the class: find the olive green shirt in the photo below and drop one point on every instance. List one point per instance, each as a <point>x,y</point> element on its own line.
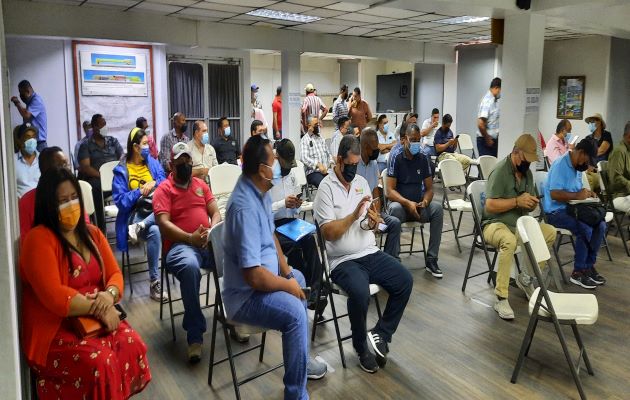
<point>619,171</point>
<point>502,185</point>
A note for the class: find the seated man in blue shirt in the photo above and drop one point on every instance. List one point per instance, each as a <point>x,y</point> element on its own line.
<point>446,144</point>
<point>260,288</point>
<point>410,191</point>
<point>564,183</point>
<point>303,255</point>
<point>368,168</point>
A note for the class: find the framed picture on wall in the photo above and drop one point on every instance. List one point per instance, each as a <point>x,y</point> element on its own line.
<point>570,97</point>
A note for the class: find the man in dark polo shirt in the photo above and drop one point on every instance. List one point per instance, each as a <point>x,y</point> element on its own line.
<point>225,145</point>
<point>510,194</point>
<point>410,191</point>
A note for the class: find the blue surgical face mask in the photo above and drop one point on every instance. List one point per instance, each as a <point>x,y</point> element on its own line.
<point>386,128</point>
<point>568,136</point>
<point>144,152</point>
<point>30,146</point>
<point>227,132</point>
<point>276,170</point>
<point>414,147</point>
<point>205,139</point>
<point>592,126</point>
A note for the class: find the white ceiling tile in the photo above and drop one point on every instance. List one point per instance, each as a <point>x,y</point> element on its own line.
<point>183,3</point>
<point>448,28</point>
<point>198,17</point>
<point>247,3</point>
<point>281,22</point>
<point>427,17</point>
<point>365,18</point>
<point>113,3</point>
<point>206,13</point>
<point>290,8</point>
<point>342,21</point>
<point>313,3</point>
<point>157,8</point>
<point>390,12</point>
<point>64,2</point>
<point>325,13</point>
<point>356,31</point>
<point>402,34</point>
<point>267,24</point>
<point>223,7</point>
<point>252,18</point>
<point>237,21</point>
<point>426,25</point>
<point>374,33</point>
<point>345,6</point>
<point>320,27</point>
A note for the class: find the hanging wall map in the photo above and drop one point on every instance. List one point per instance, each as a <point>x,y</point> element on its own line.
<point>114,74</point>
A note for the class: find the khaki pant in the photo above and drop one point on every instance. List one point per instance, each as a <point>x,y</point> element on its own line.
<point>464,160</point>
<point>505,241</point>
<point>593,181</point>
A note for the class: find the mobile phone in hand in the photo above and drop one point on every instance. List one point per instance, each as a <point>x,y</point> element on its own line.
<point>457,137</point>
<point>299,196</point>
<point>123,314</point>
<point>306,291</point>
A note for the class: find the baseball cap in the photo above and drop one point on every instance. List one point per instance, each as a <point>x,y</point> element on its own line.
<point>179,149</point>
<point>309,87</point>
<point>527,144</point>
<point>588,146</point>
<point>596,116</point>
<point>254,87</point>
<point>286,151</point>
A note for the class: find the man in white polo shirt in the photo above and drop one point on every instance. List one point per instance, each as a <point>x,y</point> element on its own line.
<point>347,218</point>
<point>428,130</point>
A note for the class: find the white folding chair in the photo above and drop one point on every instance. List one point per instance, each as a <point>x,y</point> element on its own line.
<point>465,144</point>
<point>88,200</point>
<point>614,214</point>
<point>486,165</point>
<point>409,225</point>
<point>110,211</point>
<point>453,177</point>
<point>300,180</point>
<point>217,252</point>
<point>300,176</point>
<point>558,308</point>
<point>223,178</point>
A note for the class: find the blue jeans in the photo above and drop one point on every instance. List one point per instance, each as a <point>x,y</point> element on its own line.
<point>283,312</point>
<point>185,262</point>
<point>355,276</point>
<point>151,235</point>
<point>392,241</point>
<point>484,150</point>
<point>588,239</point>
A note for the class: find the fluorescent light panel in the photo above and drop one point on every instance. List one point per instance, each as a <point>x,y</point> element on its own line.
<point>465,19</point>
<point>286,16</point>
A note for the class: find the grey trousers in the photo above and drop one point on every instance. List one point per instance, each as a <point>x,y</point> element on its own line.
<point>433,214</point>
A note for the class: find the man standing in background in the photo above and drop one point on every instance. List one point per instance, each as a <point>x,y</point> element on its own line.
<point>33,111</point>
<point>340,105</point>
<point>488,120</point>
<point>276,108</point>
<point>255,100</point>
<point>177,134</point>
<point>359,110</point>
<point>312,106</point>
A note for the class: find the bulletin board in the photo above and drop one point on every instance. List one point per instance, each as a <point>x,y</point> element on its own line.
<point>115,80</point>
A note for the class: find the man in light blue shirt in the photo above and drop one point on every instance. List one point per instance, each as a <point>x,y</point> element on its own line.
<point>488,120</point>
<point>260,288</point>
<point>26,159</point>
<point>564,184</point>
<point>33,111</point>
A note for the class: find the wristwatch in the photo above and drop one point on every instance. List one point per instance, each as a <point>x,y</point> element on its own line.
<point>113,291</point>
<point>290,275</point>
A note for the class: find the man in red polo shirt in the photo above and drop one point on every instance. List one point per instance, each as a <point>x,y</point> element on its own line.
<point>185,209</point>
<point>276,108</point>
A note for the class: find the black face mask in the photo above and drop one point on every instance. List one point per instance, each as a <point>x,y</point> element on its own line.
<point>349,171</point>
<point>523,167</point>
<point>184,172</point>
<point>25,99</point>
<point>183,128</point>
<point>581,167</point>
<point>284,171</point>
<point>375,154</point>
<point>316,130</point>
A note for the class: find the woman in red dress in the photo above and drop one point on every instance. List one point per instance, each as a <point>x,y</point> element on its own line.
<point>68,270</point>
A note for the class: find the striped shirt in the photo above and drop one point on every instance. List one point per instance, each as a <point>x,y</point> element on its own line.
<point>340,109</point>
<point>166,144</point>
<point>312,105</point>
<point>314,151</point>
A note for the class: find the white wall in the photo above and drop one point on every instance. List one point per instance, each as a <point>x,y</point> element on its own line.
<point>587,56</point>
<point>429,89</point>
<point>450,93</point>
<point>368,70</point>
<point>619,93</point>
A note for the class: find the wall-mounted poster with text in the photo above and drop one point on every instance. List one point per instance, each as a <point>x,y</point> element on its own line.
<point>123,73</point>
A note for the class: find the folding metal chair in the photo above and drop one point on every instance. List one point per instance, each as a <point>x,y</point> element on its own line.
<point>409,225</point>
<point>216,251</point>
<point>476,192</point>
<point>609,214</point>
<point>110,211</point>
<point>335,290</point>
<point>300,175</point>
<point>486,165</point>
<point>465,144</point>
<point>223,178</point>
<point>618,216</point>
<point>453,177</point>
<point>88,200</point>
<point>557,308</point>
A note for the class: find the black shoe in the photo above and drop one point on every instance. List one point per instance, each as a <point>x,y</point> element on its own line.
<point>583,280</point>
<point>380,348</point>
<point>323,303</point>
<point>237,337</point>
<point>596,277</point>
<point>432,267</point>
<point>367,362</point>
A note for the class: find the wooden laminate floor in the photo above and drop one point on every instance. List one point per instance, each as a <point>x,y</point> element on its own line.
<point>449,344</point>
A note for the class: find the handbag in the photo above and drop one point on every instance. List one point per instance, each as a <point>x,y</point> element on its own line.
<point>87,327</point>
<point>143,207</point>
<point>592,214</point>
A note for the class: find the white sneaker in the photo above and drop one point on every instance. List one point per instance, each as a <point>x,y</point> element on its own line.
<point>502,307</point>
<point>134,230</point>
<point>156,292</point>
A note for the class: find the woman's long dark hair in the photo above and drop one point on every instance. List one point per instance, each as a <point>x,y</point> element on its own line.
<point>47,211</point>
<point>137,139</point>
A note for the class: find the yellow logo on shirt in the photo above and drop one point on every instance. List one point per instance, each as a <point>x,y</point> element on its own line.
<point>199,192</point>
<point>358,190</point>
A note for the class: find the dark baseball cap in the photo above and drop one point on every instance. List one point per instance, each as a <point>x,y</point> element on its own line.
<point>588,146</point>
<point>286,152</point>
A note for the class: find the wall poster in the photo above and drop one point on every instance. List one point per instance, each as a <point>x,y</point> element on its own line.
<point>119,73</point>
<point>570,97</point>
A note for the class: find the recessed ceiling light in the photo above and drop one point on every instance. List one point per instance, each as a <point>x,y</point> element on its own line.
<point>466,19</point>
<point>287,16</point>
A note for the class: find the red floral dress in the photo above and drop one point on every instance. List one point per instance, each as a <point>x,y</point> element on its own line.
<point>110,367</point>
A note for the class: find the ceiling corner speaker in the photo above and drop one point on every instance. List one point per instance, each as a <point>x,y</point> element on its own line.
<point>496,31</point>
<point>523,4</point>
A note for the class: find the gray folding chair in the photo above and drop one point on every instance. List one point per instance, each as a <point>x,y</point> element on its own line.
<point>557,308</point>
<point>618,216</point>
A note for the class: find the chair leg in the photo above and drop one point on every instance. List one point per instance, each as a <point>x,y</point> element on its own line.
<point>262,347</point>
<point>170,307</point>
<point>472,252</point>
<point>213,342</point>
<point>532,340</point>
<point>618,221</point>
<point>424,248</point>
<point>413,235</point>
<point>492,276</point>
<point>529,333</point>
<point>567,355</point>
<point>607,248</point>
<point>317,314</point>
<point>450,213</point>
<point>336,323</point>
<point>578,339</point>
<point>378,306</point>
<point>231,361</point>
<point>208,288</point>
